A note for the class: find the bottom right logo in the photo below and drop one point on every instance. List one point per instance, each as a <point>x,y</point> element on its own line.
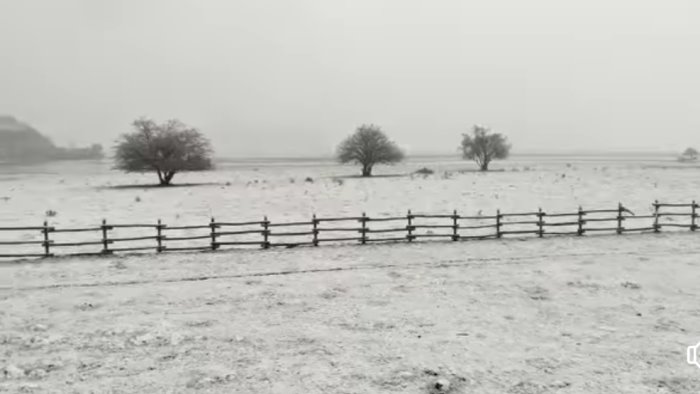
<point>693,355</point>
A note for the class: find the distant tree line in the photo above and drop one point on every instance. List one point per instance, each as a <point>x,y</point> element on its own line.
<point>172,147</point>
<point>169,148</point>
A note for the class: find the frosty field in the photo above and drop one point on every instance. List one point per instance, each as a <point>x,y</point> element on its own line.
<point>84,193</point>
<point>596,314</point>
<point>603,314</point>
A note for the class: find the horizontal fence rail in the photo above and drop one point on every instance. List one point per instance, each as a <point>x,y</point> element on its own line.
<point>158,237</point>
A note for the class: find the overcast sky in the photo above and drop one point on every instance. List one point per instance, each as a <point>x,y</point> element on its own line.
<point>286,78</point>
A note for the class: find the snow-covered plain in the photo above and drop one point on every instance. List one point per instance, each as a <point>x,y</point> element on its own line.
<point>85,193</point>
<point>596,314</point>
<point>82,194</point>
<point>600,314</point>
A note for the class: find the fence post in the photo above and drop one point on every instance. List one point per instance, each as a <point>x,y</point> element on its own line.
<point>580,221</point>
<point>455,226</point>
<point>363,240</point>
<point>105,241</point>
<point>315,224</point>
<point>693,226</point>
<point>540,222</point>
<point>657,226</point>
<point>498,224</point>
<point>266,233</point>
<point>619,218</point>
<point>409,216</point>
<point>159,237</point>
<point>45,230</point>
<point>212,225</point>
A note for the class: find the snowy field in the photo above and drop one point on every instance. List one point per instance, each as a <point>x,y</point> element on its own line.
<point>84,193</point>
<point>75,194</point>
<point>598,314</point>
<point>606,314</point>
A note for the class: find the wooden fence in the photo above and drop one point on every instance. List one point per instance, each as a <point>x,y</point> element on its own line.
<point>43,241</point>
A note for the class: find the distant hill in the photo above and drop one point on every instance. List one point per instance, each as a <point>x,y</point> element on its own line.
<point>20,143</point>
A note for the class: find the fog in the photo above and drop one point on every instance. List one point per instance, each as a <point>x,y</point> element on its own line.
<point>290,78</point>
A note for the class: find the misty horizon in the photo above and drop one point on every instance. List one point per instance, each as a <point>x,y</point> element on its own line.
<point>419,153</point>
<point>271,79</point>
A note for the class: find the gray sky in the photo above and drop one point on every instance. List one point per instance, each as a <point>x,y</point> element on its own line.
<point>264,77</point>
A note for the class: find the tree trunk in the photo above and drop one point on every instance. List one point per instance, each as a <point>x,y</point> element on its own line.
<point>485,165</point>
<point>367,170</point>
<point>167,177</point>
<point>160,177</point>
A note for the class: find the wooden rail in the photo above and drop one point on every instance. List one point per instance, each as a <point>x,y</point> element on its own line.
<point>356,229</point>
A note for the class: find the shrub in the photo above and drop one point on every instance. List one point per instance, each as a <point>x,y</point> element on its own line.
<point>369,146</point>
<point>483,146</point>
<point>165,149</point>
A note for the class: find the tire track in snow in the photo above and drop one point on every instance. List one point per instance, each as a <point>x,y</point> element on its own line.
<point>362,267</point>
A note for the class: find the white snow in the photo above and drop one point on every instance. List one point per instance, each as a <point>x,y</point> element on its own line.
<point>551,315</point>
<point>595,314</point>
<point>82,194</point>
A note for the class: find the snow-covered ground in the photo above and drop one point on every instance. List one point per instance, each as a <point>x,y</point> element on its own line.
<point>598,314</point>
<point>83,193</point>
<point>607,314</point>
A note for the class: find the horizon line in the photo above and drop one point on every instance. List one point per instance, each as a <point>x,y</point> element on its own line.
<point>585,153</point>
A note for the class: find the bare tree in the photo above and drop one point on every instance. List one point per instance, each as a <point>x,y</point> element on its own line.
<point>369,146</point>
<point>483,146</point>
<point>165,149</point>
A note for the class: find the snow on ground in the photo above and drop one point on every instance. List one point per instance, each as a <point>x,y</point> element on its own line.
<point>82,193</point>
<point>608,314</point>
